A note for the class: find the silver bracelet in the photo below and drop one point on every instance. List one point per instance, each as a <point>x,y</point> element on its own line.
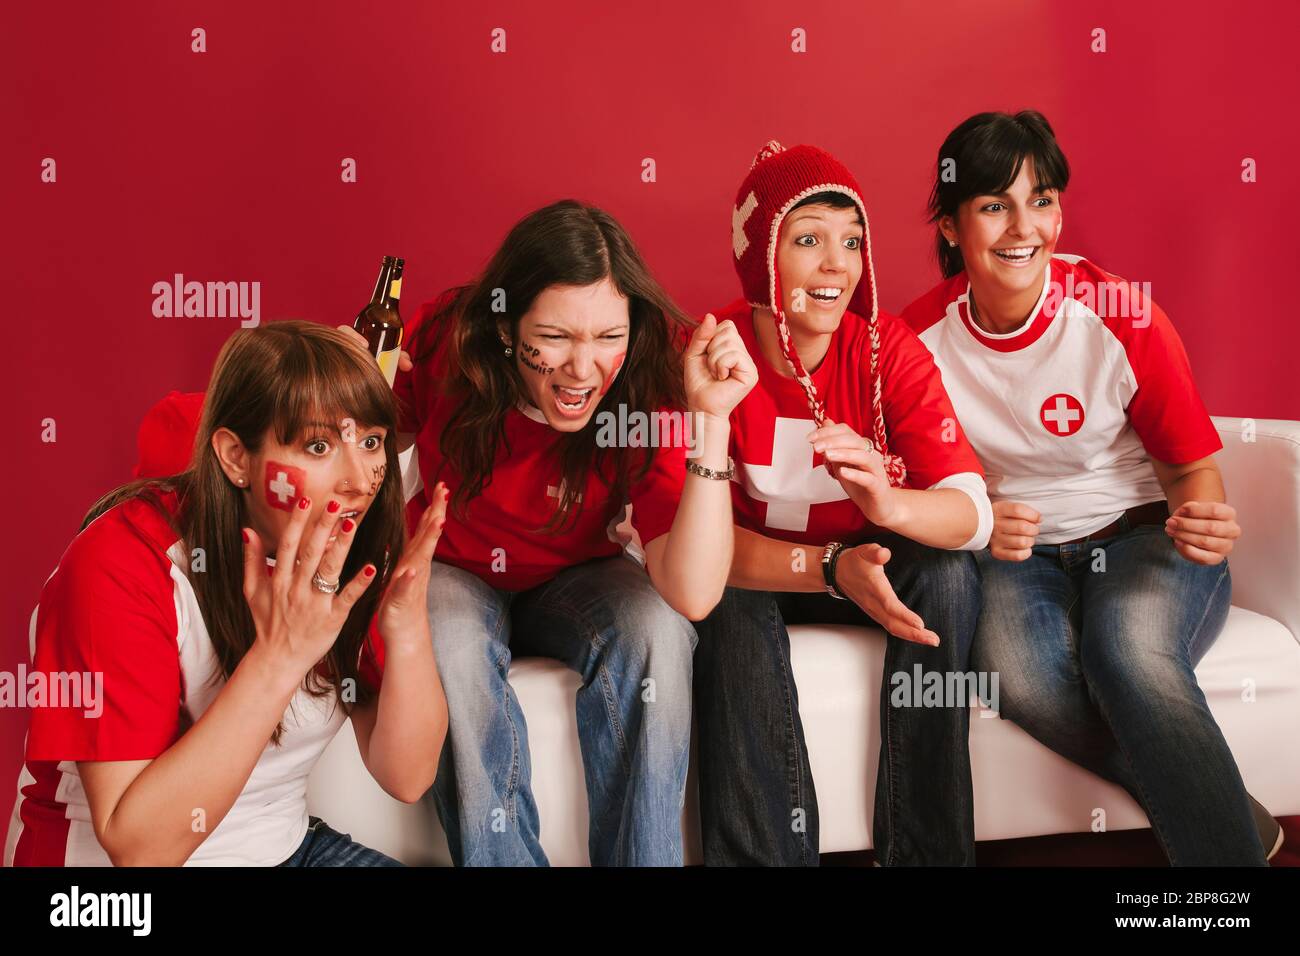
<point>697,469</point>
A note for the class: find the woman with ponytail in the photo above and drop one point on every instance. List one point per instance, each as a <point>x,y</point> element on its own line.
<point>1106,578</point>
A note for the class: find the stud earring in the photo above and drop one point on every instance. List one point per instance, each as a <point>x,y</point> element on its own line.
<point>952,242</point>
<point>509,351</point>
<point>239,481</point>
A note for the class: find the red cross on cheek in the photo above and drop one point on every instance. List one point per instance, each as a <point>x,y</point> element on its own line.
<point>1061,414</point>
<point>613,373</point>
<point>283,485</point>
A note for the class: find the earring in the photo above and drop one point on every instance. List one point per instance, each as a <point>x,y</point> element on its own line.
<point>509,351</point>
<point>952,242</point>
<point>239,481</point>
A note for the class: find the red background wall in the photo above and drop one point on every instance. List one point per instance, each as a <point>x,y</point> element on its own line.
<point>225,166</point>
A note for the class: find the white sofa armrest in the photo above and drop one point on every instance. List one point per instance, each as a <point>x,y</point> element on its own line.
<point>1260,462</point>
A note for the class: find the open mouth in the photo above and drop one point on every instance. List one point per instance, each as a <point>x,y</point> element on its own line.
<point>826,295</point>
<point>1017,256</point>
<point>572,402</point>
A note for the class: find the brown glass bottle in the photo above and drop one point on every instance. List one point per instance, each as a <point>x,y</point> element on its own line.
<point>380,322</point>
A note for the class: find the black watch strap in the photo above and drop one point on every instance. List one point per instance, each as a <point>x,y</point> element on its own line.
<point>830,556</point>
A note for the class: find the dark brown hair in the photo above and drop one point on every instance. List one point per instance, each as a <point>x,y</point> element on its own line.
<point>985,154</point>
<point>279,378</point>
<point>567,243</point>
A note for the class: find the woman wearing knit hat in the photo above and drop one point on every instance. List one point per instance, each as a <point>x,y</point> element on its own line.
<point>856,495</point>
<point>1107,578</point>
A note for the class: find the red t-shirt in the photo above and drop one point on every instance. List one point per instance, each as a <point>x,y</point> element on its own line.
<point>781,488</point>
<point>500,540</point>
<point>119,625</point>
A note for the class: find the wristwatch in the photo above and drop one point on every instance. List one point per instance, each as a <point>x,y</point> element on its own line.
<point>830,555</point>
<point>697,469</point>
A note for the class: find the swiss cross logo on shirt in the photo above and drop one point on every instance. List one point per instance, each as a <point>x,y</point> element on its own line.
<point>790,485</point>
<point>1062,414</point>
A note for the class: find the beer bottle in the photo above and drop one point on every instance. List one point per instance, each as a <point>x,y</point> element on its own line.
<point>380,322</point>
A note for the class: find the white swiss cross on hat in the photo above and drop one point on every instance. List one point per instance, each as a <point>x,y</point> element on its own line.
<point>740,216</point>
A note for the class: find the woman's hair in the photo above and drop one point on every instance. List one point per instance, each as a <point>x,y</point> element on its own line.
<point>567,243</point>
<point>984,155</point>
<point>832,198</point>
<point>279,379</point>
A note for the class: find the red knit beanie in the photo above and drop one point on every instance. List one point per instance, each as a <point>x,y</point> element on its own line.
<point>778,180</point>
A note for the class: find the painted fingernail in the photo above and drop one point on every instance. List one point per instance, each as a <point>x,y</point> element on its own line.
<point>244,533</point>
<point>333,507</point>
<point>304,504</point>
<point>348,525</point>
<point>368,570</point>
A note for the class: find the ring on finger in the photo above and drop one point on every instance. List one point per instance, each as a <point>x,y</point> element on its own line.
<point>325,587</point>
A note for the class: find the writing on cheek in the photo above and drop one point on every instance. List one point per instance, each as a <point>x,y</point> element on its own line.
<point>528,354</point>
<point>283,485</point>
<point>613,373</point>
<point>377,477</point>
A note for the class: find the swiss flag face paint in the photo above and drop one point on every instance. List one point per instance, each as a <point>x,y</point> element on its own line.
<point>283,485</point>
<point>613,373</point>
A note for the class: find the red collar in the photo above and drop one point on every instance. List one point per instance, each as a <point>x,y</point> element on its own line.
<point>1040,318</point>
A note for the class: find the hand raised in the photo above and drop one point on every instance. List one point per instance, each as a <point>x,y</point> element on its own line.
<point>295,620</point>
<point>718,370</point>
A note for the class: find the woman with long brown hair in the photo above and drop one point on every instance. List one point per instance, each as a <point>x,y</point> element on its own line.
<point>217,681</point>
<point>547,394</point>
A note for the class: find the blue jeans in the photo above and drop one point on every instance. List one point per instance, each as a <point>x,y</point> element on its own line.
<point>758,805</point>
<point>323,846</point>
<point>1096,661</point>
<point>605,620</point>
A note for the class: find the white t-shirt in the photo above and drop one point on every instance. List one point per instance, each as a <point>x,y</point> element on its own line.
<point>119,605</point>
<point>1067,411</point>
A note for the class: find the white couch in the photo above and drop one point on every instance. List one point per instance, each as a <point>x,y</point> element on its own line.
<point>1251,677</point>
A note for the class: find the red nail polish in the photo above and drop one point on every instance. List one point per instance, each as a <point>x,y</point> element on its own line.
<point>304,503</point>
<point>348,525</point>
<point>244,533</point>
<point>333,507</point>
<point>368,570</point>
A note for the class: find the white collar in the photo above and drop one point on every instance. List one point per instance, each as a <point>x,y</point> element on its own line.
<point>1024,326</point>
<point>531,411</point>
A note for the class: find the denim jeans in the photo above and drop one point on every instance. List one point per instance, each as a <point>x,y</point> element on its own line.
<point>605,620</point>
<point>323,846</point>
<point>1095,645</point>
<point>753,768</point>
